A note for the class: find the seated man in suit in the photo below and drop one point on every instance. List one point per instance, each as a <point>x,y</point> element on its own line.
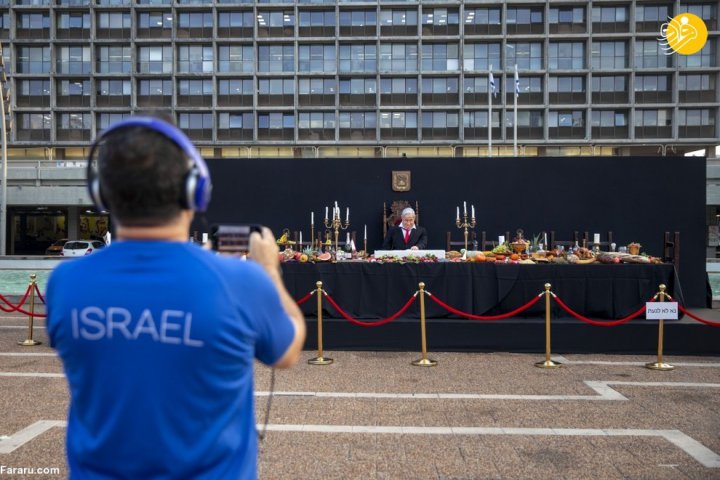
<point>407,235</point>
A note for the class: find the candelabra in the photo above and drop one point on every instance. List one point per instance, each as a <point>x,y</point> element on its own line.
<point>465,224</point>
<point>336,224</point>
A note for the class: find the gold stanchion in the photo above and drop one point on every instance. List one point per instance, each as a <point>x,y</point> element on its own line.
<point>320,360</point>
<point>547,363</point>
<point>29,342</point>
<point>660,365</point>
<point>424,361</point>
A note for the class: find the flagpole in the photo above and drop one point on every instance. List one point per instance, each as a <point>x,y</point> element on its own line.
<point>489,115</point>
<point>515,150</point>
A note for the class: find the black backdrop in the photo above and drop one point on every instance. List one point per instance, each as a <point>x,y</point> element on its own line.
<point>637,198</point>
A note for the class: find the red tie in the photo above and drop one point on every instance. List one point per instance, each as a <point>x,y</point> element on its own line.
<point>407,236</point>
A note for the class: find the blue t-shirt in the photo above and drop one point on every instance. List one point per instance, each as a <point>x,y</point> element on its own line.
<point>157,340</point>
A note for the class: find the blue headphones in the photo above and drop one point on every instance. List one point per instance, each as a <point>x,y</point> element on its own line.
<point>198,187</point>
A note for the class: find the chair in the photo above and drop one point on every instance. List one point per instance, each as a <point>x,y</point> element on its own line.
<point>671,249</point>
<point>392,215</point>
<point>342,239</point>
<point>486,244</point>
<point>555,242</point>
<point>587,243</point>
<point>472,238</point>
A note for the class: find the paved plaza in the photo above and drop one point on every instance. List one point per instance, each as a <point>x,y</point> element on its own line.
<point>372,415</point>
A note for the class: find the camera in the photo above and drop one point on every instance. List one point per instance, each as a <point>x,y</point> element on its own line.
<point>233,239</point>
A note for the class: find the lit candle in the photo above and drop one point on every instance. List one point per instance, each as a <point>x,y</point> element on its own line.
<point>312,218</point>
<point>326,212</point>
<point>347,214</point>
<point>596,238</point>
<point>458,214</point>
<point>365,234</point>
<point>465,208</point>
<point>300,238</point>
<point>472,207</point>
<point>501,239</point>
<point>336,205</point>
<point>545,240</point>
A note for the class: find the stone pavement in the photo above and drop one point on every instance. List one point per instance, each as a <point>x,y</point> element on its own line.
<point>372,415</point>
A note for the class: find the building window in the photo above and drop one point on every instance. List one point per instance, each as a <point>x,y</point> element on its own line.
<point>438,125</point>
<point>566,124</point>
<point>317,91</point>
<point>235,92</point>
<point>34,126</point>
<point>276,91</point>
<point>155,59</point>
<point>696,87</point>
<point>357,125</point>
<point>276,23</point>
<point>113,93</point>
<point>570,19</point>
<point>73,93</point>
<point>115,59</point>
<point>525,20</point>
<point>527,56</point>
<point>648,54</point>
<point>475,90</point>
<point>567,89</point>
<point>113,2</point>
<point>74,126</point>
<point>276,58</point>
<point>197,126</point>
<point>610,19</point>
<point>316,126</point>
<point>72,25</point>
<point>479,56</point>
<point>104,120</point>
<point>398,126</point>
<point>399,91</point>
<point>482,21</point>
<point>358,91</point>
<point>155,24</point>
<point>236,24</point>
<point>566,55</point>
<point>609,89</point>
<point>155,92</point>
<point>113,25</point>
<point>696,123</point>
<point>195,59</point>
<point>195,25</point>
<point>316,58</point>
<point>235,125</point>
<point>653,123</point>
<point>276,126</point>
<point>358,23</point>
<point>440,21</point>
<point>73,60</point>
<point>531,91</point>
<point>706,57</point>
<point>32,59</point>
<point>4,25</point>
<point>154,2</point>
<point>706,11</point>
<point>609,124</point>
<point>529,126</point>
<point>33,25</point>
<point>398,22</point>
<point>33,93</point>
<point>316,23</point>
<point>398,57</point>
<point>358,58</point>
<point>236,58</point>
<point>440,57</point>
<point>195,93</point>
<point>31,2</point>
<point>653,88</point>
<point>440,91</point>
<point>608,55</point>
<point>649,17</point>
<point>475,124</point>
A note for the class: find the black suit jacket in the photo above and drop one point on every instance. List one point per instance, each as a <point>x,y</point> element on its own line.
<point>395,239</point>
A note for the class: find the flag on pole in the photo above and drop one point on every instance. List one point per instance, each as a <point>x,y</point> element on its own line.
<point>517,82</point>
<point>492,85</point>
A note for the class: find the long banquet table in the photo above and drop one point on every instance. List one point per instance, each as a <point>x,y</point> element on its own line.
<point>376,291</point>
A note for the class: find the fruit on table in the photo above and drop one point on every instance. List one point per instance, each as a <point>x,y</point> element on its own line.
<point>324,257</point>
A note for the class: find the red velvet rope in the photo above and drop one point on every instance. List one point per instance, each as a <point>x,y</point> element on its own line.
<point>370,324</point>
<point>40,296</point>
<point>14,308</point>
<point>305,298</point>
<point>482,317</point>
<point>695,317</point>
<point>596,323</point>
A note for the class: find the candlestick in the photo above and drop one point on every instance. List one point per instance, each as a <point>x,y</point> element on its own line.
<point>336,224</point>
<point>465,224</point>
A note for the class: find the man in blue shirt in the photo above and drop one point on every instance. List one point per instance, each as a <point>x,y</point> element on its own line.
<point>158,336</point>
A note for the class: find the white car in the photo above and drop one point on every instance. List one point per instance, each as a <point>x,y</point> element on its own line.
<point>79,248</point>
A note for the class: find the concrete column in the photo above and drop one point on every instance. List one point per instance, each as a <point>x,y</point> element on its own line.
<point>73,223</point>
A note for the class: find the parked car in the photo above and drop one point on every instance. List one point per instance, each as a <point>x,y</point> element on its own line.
<point>79,248</point>
<point>56,248</point>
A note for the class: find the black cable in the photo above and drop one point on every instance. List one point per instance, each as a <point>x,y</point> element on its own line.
<point>261,436</point>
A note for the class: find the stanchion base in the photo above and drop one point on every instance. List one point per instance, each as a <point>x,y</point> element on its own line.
<point>424,362</point>
<point>548,364</point>
<point>29,343</point>
<point>320,361</point>
<point>659,366</point>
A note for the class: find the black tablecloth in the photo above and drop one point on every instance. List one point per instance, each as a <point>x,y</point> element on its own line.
<point>376,291</point>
